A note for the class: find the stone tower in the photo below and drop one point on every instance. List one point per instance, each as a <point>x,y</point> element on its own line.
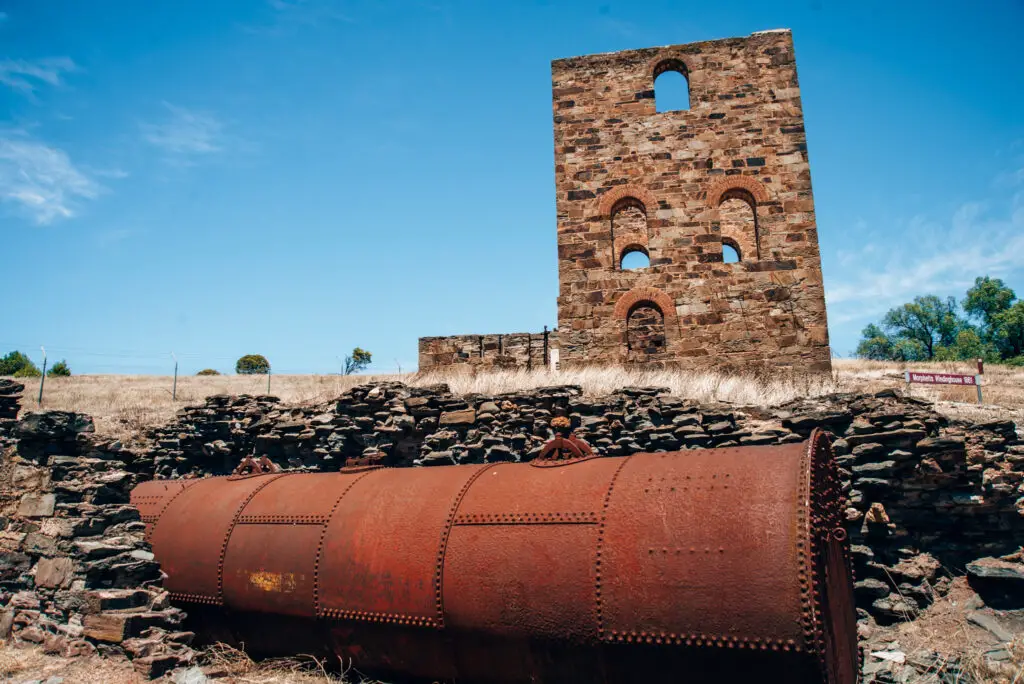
<point>731,172</point>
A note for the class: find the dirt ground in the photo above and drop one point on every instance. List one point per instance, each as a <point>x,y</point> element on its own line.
<point>944,644</point>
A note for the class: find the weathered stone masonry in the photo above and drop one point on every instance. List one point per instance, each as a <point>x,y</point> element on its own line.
<point>514,350</point>
<point>677,185</point>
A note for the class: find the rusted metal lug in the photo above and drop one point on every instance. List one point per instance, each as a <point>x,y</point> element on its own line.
<point>565,448</point>
<point>719,565</point>
<point>251,465</point>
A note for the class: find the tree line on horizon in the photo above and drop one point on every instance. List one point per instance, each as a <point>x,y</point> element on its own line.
<point>18,365</point>
<point>988,324</point>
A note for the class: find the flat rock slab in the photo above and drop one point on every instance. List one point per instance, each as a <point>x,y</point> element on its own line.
<point>37,505</point>
<point>54,573</point>
<point>463,417</point>
<point>1000,584</point>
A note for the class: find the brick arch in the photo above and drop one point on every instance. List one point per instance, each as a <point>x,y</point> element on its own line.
<point>719,188</point>
<point>612,196</point>
<point>639,295</point>
<point>668,61</point>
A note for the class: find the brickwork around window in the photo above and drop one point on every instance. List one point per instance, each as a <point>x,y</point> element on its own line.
<point>616,159</point>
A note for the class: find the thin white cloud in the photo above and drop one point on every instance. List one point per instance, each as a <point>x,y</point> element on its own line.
<point>288,16</point>
<point>931,257</point>
<point>41,181</point>
<point>186,135</point>
<point>27,76</point>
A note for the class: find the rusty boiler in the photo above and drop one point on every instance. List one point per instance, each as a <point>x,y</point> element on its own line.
<point>718,565</point>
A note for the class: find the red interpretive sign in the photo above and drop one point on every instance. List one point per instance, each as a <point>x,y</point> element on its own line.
<point>942,378</point>
<point>947,379</point>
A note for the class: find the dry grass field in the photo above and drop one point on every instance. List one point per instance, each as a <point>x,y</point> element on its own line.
<point>26,663</point>
<point>124,405</point>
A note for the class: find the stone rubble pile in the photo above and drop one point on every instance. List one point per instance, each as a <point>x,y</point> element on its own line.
<point>10,403</point>
<point>924,497</point>
<point>75,574</point>
<point>922,494</point>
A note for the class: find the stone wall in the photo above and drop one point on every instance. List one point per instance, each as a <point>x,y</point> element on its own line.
<point>924,496</point>
<point>10,404</point>
<point>922,493</point>
<point>76,576</point>
<point>731,169</point>
<point>512,350</point>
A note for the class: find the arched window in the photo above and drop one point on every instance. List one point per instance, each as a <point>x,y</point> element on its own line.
<point>629,216</point>
<point>730,252</point>
<point>645,332</point>
<point>634,257</point>
<point>738,224</point>
<point>629,232</point>
<point>671,86</point>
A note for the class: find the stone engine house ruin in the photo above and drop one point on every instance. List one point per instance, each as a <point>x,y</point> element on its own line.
<point>728,173</point>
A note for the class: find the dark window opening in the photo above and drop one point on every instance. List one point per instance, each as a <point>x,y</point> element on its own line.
<point>645,332</point>
<point>738,224</point>
<point>671,86</point>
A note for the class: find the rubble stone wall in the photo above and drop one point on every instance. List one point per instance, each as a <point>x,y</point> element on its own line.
<point>629,178</point>
<point>76,576</point>
<point>10,404</point>
<point>513,350</point>
<point>924,496</point>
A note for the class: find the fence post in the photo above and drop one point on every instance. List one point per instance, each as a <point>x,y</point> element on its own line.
<point>977,378</point>
<point>268,380</point>
<point>174,388</point>
<point>42,379</point>
<point>547,361</point>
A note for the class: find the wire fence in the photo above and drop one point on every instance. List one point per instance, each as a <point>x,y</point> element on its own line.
<point>170,364</point>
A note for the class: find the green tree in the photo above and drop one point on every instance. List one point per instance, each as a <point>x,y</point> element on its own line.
<point>252,364</point>
<point>986,301</point>
<point>875,344</point>
<point>15,361</point>
<point>30,371</point>
<point>210,371</point>
<point>1009,331</point>
<point>61,369</point>
<point>929,321</point>
<point>359,360</point>
<point>968,346</point>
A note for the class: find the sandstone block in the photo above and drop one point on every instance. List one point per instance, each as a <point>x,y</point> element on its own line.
<point>114,628</point>
<point>37,505</point>
<point>456,418</point>
<point>54,573</point>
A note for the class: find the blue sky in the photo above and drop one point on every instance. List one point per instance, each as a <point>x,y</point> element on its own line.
<point>298,177</point>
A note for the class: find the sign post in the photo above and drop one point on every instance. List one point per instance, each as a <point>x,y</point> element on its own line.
<point>955,379</point>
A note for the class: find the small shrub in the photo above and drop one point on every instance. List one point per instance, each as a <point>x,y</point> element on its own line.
<point>209,371</point>
<point>358,361</point>
<point>61,369</point>
<point>252,364</point>
<point>27,372</point>
<point>14,361</point>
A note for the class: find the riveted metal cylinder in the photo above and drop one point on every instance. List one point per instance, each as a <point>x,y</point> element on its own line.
<point>705,565</point>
